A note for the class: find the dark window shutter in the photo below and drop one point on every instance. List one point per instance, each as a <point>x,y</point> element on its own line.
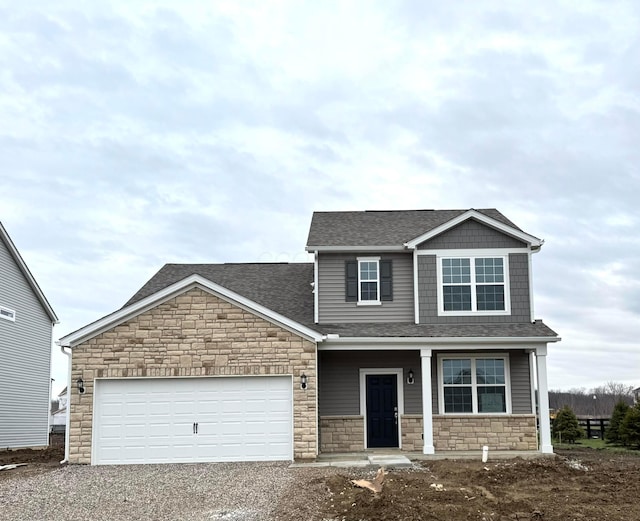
<point>386,284</point>
<point>351,281</point>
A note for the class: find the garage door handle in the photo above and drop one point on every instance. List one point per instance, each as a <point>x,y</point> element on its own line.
<point>196,427</point>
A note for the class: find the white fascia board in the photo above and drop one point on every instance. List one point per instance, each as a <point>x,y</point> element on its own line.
<point>182,286</point>
<point>335,249</point>
<point>451,343</point>
<point>4,235</point>
<point>493,223</point>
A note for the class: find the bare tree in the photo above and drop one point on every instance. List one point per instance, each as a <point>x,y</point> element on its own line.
<point>595,403</point>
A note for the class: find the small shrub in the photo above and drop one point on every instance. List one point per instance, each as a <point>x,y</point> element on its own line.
<point>566,427</point>
<point>613,434</point>
<point>630,427</point>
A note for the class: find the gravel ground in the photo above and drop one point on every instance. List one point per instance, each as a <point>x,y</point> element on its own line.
<point>217,491</point>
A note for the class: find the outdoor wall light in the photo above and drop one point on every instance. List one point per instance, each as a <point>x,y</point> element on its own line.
<point>303,381</point>
<point>80,383</point>
<point>410,378</point>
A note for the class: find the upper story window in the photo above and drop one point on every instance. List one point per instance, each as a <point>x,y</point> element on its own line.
<point>7,314</point>
<point>471,385</point>
<point>469,285</point>
<point>368,280</point>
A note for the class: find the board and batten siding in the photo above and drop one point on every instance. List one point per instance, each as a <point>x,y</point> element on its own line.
<point>25,361</point>
<point>518,285</point>
<point>339,379</point>
<point>332,307</point>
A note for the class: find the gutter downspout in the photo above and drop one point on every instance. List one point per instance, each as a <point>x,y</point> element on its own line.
<point>68,419</point>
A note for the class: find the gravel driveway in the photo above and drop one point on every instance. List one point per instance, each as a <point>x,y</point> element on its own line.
<point>216,491</point>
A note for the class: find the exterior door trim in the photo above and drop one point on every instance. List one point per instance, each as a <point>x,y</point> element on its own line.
<point>363,396</point>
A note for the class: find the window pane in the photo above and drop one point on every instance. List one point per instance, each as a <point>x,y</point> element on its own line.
<point>490,298</point>
<point>456,271</point>
<point>457,298</point>
<point>489,270</point>
<point>457,399</point>
<point>491,399</point>
<point>368,270</point>
<point>490,371</point>
<point>456,371</point>
<point>368,291</point>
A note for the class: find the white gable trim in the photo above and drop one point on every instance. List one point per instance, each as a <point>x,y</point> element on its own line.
<point>182,286</point>
<point>473,214</point>
<point>27,274</point>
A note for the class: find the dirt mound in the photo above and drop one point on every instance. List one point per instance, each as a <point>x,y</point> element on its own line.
<point>37,460</point>
<point>563,488</point>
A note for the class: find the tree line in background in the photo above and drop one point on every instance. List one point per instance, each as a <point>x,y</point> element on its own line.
<point>598,402</point>
<point>616,404</point>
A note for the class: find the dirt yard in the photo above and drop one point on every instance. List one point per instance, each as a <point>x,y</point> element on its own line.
<point>578,485</point>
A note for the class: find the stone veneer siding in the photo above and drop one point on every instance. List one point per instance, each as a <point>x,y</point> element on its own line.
<point>341,433</point>
<point>451,433</point>
<point>194,334</point>
<point>412,433</point>
<point>517,432</point>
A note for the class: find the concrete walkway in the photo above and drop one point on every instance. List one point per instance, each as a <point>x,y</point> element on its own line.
<point>398,459</point>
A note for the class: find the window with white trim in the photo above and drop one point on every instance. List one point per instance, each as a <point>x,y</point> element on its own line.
<point>474,385</point>
<point>368,280</point>
<point>7,314</point>
<point>473,285</point>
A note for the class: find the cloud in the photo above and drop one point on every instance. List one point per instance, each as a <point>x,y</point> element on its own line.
<point>138,133</point>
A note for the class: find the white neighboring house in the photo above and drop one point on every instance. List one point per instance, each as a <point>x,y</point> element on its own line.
<point>26,328</point>
<point>636,394</point>
<point>59,417</point>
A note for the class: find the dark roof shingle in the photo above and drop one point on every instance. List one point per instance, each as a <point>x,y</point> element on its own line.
<point>282,287</point>
<point>382,228</point>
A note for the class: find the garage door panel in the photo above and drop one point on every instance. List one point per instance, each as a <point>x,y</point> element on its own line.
<point>152,420</point>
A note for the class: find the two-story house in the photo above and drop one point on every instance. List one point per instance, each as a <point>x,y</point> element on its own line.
<point>26,328</point>
<point>410,330</point>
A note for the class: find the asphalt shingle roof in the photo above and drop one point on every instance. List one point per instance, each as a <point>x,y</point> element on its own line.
<point>382,228</point>
<point>282,287</point>
<point>286,289</point>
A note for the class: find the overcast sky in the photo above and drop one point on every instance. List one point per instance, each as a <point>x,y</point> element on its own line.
<point>133,134</point>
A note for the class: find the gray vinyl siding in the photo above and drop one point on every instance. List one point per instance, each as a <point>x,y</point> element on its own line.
<point>25,354</point>
<point>520,382</point>
<point>519,288</point>
<point>519,375</point>
<point>333,309</point>
<point>471,234</point>
<point>339,379</point>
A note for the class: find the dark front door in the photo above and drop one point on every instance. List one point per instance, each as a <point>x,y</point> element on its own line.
<point>382,410</point>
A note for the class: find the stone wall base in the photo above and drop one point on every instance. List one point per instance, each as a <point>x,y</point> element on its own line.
<point>451,433</point>
<point>465,432</point>
<point>341,433</point>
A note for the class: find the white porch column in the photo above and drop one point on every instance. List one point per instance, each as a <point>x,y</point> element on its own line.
<point>427,409</point>
<point>543,400</point>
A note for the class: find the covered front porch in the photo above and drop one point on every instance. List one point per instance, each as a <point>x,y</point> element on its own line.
<point>429,401</point>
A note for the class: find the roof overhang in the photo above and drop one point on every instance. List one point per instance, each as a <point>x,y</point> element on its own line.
<point>27,274</point>
<point>532,241</point>
<point>381,248</point>
<point>336,343</point>
<point>193,281</point>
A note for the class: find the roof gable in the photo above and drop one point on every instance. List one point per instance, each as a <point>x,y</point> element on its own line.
<point>496,224</point>
<point>22,266</point>
<point>385,230</point>
<point>182,286</point>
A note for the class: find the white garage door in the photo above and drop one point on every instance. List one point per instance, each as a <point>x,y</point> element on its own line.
<point>178,420</point>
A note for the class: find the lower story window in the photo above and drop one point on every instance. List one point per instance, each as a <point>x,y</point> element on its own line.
<point>474,385</point>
